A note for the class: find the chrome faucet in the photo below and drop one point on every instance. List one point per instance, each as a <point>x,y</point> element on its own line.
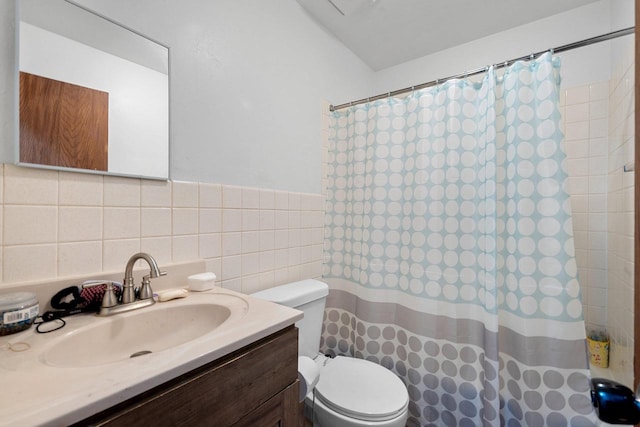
<point>129,302</point>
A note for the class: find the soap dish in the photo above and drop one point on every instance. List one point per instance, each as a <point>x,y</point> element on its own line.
<point>201,282</point>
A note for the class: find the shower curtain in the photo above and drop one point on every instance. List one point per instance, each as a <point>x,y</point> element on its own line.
<point>449,250</point>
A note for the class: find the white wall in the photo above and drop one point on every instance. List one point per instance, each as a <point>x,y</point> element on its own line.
<point>578,66</point>
<point>622,16</point>
<point>247,81</point>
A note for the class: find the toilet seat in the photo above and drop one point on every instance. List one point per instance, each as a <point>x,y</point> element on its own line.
<point>361,389</point>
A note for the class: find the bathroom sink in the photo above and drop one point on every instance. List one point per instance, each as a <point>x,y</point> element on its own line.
<point>134,334</point>
<point>67,375</point>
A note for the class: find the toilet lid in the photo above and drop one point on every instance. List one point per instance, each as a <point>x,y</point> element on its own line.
<point>361,389</point>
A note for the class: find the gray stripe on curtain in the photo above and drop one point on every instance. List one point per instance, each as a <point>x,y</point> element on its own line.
<point>533,351</point>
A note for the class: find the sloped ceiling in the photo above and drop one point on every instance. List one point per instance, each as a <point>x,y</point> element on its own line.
<point>384,33</point>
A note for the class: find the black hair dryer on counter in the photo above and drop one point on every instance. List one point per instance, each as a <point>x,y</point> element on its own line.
<point>614,403</point>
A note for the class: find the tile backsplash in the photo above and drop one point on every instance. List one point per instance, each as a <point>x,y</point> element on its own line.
<point>63,224</point>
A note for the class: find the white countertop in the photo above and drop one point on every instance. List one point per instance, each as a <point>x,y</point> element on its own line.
<point>32,393</point>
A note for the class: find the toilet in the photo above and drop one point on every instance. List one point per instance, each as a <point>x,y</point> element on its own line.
<point>349,392</point>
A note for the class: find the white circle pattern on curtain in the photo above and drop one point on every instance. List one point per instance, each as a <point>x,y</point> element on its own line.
<point>457,193</point>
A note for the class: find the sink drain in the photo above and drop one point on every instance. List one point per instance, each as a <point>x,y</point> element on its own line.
<point>139,353</point>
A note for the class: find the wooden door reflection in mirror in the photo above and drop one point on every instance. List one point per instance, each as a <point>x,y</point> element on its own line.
<point>63,124</point>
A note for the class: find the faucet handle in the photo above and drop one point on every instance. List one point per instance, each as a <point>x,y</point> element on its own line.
<point>145,291</point>
<point>110,299</point>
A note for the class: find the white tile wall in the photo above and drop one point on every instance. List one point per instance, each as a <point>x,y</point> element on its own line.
<point>585,118</point>
<point>59,224</point>
<point>599,132</point>
<point>620,250</point>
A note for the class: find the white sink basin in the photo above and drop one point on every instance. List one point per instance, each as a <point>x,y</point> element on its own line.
<point>135,334</point>
<point>91,356</point>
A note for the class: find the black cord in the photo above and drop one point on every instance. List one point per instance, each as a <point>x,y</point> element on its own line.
<point>60,323</point>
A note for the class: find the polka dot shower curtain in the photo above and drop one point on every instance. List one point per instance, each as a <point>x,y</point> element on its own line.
<point>449,251</point>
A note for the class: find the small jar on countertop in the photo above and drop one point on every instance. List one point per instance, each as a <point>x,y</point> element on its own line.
<point>18,310</point>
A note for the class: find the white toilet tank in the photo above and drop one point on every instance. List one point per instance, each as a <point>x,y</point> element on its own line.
<point>308,296</point>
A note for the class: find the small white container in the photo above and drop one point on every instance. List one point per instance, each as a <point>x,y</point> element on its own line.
<point>18,310</point>
<point>201,282</point>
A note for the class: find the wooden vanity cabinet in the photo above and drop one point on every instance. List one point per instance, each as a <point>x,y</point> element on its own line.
<point>255,386</point>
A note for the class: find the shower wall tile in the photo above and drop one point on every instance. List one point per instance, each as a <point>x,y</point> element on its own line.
<point>576,113</point>
<point>599,109</point>
<point>577,95</point>
<point>82,224</point>
<point>599,91</point>
<point>620,208</point>
<point>586,126</point>
<point>598,123</point>
<point>577,149</point>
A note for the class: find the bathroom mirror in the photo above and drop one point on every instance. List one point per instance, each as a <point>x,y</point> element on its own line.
<point>93,95</point>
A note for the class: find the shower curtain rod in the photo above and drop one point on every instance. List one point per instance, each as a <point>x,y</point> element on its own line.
<point>563,48</point>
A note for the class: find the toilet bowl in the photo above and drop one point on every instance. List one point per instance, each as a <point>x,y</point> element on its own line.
<point>349,392</point>
<point>354,393</point>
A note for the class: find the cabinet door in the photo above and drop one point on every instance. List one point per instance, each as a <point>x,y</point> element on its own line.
<point>279,411</point>
<point>222,393</point>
